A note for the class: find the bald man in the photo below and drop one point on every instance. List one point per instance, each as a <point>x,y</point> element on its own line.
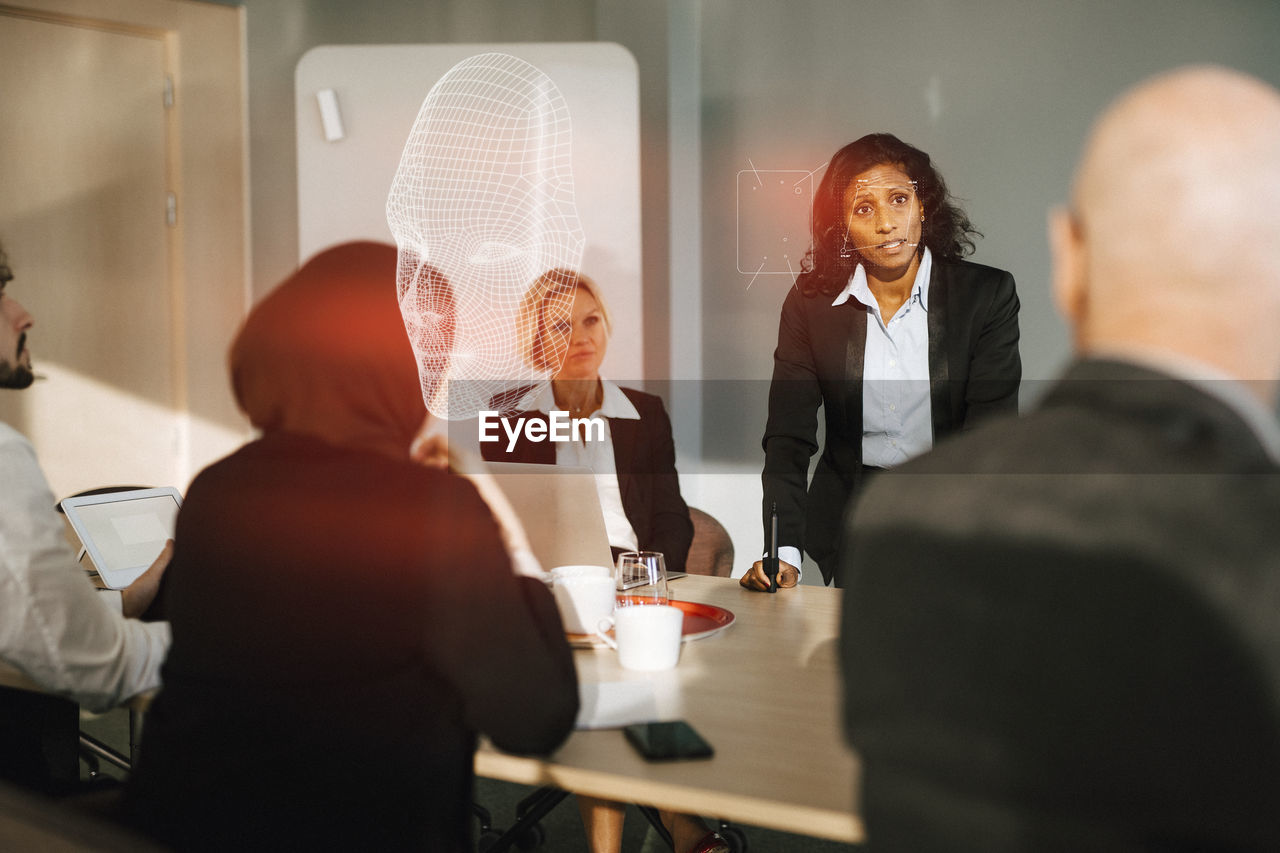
<point>1063,632</point>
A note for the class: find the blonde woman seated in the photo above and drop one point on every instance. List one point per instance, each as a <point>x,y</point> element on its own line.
<point>641,500</point>
<point>639,490</point>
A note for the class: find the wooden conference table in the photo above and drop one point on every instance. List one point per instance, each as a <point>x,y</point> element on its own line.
<point>765,692</point>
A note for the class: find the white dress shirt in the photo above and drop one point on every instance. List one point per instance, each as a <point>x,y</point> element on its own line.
<point>54,626</point>
<point>897,416</point>
<point>596,455</point>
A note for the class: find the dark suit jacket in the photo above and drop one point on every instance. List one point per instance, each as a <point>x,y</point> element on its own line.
<point>344,625</point>
<point>974,371</point>
<point>645,458</point>
<point>1061,632</point>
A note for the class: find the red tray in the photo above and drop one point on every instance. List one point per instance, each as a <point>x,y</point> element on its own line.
<point>702,620</point>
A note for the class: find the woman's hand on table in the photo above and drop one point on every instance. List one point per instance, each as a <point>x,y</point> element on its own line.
<point>755,578</point>
<point>137,596</point>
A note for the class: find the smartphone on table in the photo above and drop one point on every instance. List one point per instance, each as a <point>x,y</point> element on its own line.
<point>674,740</point>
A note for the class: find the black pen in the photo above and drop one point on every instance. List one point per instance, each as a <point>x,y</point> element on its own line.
<point>771,563</point>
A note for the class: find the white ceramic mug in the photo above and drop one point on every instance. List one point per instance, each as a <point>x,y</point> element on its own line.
<point>647,637</point>
<point>583,600</point>
<point>580,571</point>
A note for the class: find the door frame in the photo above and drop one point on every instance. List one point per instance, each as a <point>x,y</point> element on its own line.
<point>208,172</point>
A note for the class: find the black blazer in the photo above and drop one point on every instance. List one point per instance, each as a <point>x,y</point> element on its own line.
<point>1060,633</point>
<point>645,458</point>
<point>974,371</point>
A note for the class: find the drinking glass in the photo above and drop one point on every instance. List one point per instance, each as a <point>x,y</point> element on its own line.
<point>641,578</point>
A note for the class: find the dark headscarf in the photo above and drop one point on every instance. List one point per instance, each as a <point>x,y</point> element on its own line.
<point>325,354</point>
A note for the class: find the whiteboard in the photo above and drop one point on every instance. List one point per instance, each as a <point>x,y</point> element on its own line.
<point>343,184</point>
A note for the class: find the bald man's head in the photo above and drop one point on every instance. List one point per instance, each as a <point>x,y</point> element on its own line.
<point>1176,214</point>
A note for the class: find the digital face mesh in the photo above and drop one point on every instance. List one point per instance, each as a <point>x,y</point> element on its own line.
<point>883,218</point>
<point>481,205</point>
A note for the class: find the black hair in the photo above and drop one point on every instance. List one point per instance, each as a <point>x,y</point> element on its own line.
<point>946,231</point>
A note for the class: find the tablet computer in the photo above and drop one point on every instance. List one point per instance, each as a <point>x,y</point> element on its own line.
<point>123,531</point>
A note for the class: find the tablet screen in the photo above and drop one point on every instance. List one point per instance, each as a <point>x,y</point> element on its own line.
<point>126,532</point>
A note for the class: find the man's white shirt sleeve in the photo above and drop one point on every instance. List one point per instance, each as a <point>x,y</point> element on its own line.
<point>54,626</point>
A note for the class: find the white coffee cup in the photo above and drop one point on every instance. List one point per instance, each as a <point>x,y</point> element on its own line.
<point>580,571</point>
<point>583,600</point>
<point>647,636</point>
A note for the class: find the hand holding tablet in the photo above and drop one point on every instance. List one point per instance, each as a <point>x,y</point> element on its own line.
<point>125,531</point>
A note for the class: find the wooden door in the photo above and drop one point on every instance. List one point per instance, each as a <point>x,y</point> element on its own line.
<point>84,165</point>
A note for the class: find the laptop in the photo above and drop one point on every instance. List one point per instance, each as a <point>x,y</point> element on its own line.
<point>123,532</point>
<point>560,510</point>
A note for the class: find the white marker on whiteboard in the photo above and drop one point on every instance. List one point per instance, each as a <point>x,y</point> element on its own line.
<point>329,115</point>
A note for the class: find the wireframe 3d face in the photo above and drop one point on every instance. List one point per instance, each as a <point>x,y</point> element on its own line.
<point>882,216</point>
<point>481,205</point>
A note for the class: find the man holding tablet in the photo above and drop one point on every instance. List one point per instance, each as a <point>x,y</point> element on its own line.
<point>54,626</point>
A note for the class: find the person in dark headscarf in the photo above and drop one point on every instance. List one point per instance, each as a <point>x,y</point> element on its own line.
<point>345,621</point>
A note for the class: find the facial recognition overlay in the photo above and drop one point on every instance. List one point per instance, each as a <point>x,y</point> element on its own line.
<point>881,215</point>
<point>378,92</point>
<point>774,206</point>
<point>481,205</point>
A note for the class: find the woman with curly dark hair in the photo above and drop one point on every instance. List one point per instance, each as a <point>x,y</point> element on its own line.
<point>898,339</point>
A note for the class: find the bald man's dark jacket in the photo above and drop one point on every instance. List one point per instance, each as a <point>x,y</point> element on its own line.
<point>1063,632</point>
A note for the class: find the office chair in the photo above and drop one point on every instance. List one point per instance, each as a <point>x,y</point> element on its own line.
<point>711,552</point>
